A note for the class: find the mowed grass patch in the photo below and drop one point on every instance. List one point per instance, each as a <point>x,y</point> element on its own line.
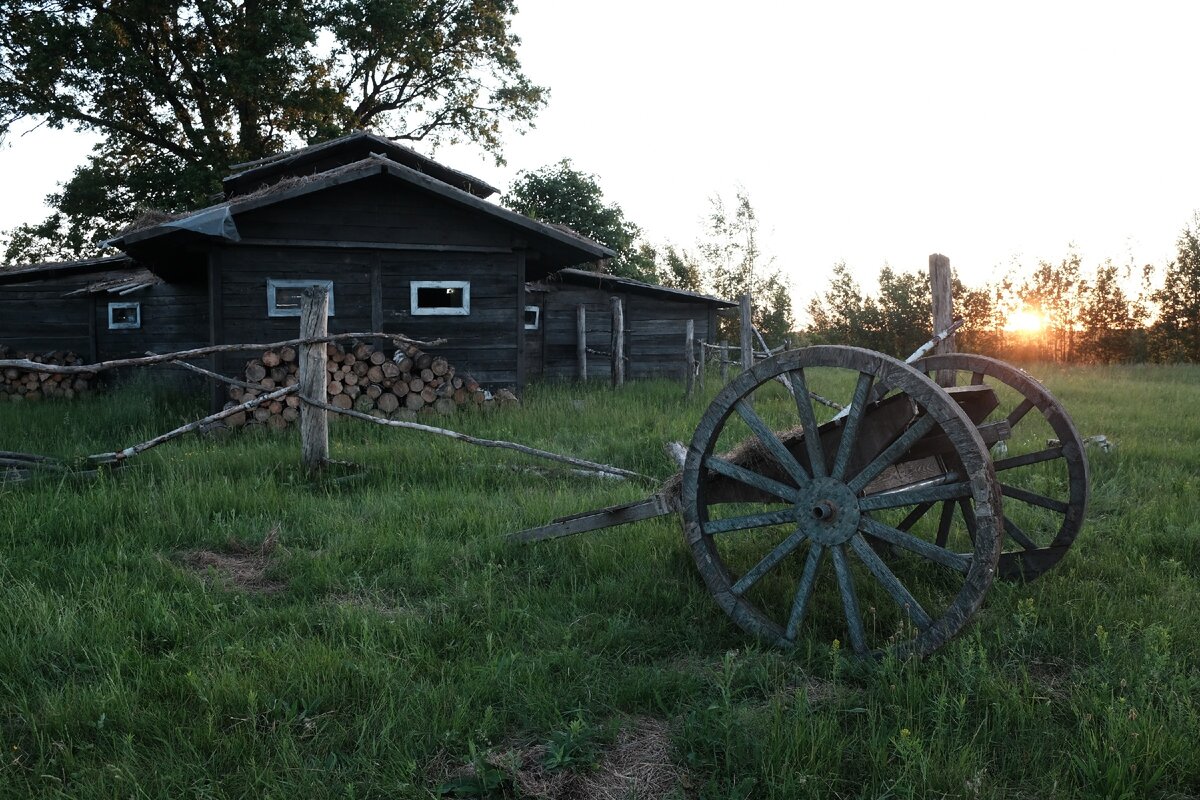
<point>407,640</point>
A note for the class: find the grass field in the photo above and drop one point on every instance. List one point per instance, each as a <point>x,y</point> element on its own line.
<point>388,635</point>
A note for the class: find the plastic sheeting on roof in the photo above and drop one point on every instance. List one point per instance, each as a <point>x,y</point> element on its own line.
<point>215,221</point>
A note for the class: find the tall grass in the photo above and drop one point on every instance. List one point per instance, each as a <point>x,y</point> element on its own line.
<point>411,632</point>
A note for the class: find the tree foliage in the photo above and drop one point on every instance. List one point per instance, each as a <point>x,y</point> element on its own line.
<point>1176,336</point>
<point>735,264</point>
<point>559,193</point>
<point>181,90</point>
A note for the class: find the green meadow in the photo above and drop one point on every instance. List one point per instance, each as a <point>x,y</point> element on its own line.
<point>209,623</point>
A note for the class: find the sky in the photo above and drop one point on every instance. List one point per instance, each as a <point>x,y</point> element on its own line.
<point>867,132</point>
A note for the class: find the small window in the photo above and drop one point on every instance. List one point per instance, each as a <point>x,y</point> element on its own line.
<point>124,315</point>
<point>441,297</point>
<point>533,315</point>
<point>283,296</point>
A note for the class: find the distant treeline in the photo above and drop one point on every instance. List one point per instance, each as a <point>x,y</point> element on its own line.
<point>1108,314</point>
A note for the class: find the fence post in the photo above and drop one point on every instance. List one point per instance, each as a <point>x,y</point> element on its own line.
<point>747,332</point>
<point>314,422</point>
<point>581,341</point>
<point>703,363</point>
<point>618,341</point>
<point>943,308</point>
<point>724,361</point>
<point>689,355</point>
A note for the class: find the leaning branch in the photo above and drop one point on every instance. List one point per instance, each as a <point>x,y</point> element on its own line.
<point>120,455</point>
<point>462,437</point>
<point>200,352</point>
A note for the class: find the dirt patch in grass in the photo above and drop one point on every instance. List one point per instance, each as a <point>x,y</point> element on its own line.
<point>1051,679</point>
<point>637,764</point>
<point>241,566</point>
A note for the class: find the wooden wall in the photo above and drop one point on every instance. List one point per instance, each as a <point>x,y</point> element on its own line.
<point>36,318</point>
<point>654,332</point>
<point>174,317</point>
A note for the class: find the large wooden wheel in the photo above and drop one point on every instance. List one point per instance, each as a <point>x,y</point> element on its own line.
<point>1042,465</point>
<point>782,512</point>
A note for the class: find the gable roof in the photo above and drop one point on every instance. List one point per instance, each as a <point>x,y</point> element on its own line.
<point>558,247</point>
<point>614,283</point>
<point>348,149</point>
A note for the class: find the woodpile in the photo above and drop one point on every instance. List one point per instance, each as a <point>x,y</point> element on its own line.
<point>364,378</point>
<point>20,385</point>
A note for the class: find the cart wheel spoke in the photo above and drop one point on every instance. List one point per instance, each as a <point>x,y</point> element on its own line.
<point>812,439</point>
<point>772,443</point>
<point>1034,498</point>
<point>850,427</point>
<point>1019,412</point>
<point>769,562</point>
<point>914,516</point>
<point>854,623</point>
<point>944,522</point>
<point>804,591</point>
<point>751,478</point>
<point>976,378</point>
<point>891,583</point>
<point>915,544</point>
<point>892,453</point>
<point>910,497</point>
<point>745,521</point>
<point>968,517</point>
<point>1017,535</point>
<point>1049,454</point>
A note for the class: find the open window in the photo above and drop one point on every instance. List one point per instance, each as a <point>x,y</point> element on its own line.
<point>124,316</point>
<point>449,298</point>
<point>533,317</point>
<point>283,295</point>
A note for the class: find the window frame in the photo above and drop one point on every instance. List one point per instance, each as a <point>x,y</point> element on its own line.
<point>136,324</point>
<point>419,311</point>
<point>294,283</point>
<point>537,318</point>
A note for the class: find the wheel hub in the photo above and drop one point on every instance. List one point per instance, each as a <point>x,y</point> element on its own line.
<point>828,511</point>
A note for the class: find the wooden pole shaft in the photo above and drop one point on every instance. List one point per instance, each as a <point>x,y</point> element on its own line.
<point>724,361</point>
<point>618,341</point>
<point>747,331</point>
<point>689,356</point>
<point>581,342</point>
<point>943,307</point>
<point>314,422</point>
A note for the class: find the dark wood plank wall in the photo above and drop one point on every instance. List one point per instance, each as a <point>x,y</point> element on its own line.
<point>654,332</point>
<point>374,210</point>
<point>372,284</point>
<point>485,342</point>
<point>36,318</point>
<point>174,317</point>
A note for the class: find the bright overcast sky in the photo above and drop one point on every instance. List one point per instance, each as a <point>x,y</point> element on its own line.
<point>867,132</point>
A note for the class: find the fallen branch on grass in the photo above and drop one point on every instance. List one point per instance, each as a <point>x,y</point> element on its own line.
<point>462,437</point>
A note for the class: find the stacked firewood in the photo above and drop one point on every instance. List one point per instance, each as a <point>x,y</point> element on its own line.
<point>18,384</point>
<point>364,378</point>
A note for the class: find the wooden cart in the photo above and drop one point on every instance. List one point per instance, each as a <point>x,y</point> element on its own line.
<point>918,492</point>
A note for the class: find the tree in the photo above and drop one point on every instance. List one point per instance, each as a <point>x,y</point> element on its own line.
<point>843,315</point>
<point>736,266</point>
<point>680,271</point>
<point>1058,290</point>
<point>181,90</point>
<point>1108,320</point>
<point>1176,334</point>
<point>559,193</point>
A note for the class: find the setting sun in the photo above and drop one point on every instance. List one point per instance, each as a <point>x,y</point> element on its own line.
<point>1025,320</point>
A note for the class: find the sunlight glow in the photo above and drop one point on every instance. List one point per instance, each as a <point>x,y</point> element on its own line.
<point>1025,320</point>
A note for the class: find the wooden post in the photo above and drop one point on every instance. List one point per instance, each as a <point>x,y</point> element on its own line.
<point>724,361</point>
<point>314,422</point>
<point>943,309</point>
<point>747,332</point>
<point>689,356</point>
<point>703,363</point>
<point>580,341</point>
<point>618,341</point>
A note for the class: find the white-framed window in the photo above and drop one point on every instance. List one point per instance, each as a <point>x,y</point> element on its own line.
<point>451,298</point>
<point>283,295</point>
<point>124,315</point>
<point>533,317</point>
